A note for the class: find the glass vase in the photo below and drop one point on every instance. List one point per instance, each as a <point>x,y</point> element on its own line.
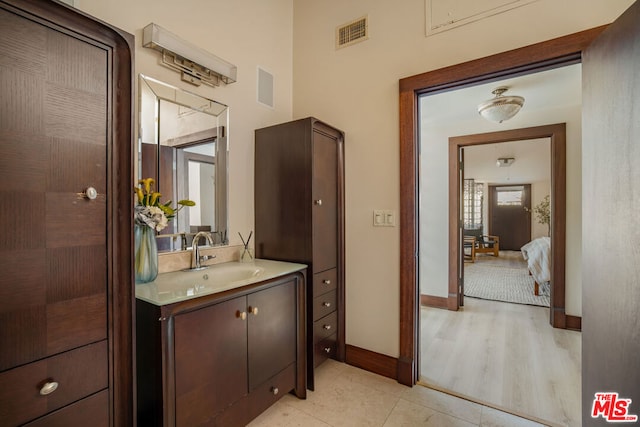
<point>146,252</point>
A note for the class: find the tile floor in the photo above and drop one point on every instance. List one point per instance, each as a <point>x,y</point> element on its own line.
<point>348,396</point>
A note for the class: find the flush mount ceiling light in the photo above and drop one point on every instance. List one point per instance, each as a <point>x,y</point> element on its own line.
<point>196,65</point>
<point>504,162</point>
<point>501,107</point>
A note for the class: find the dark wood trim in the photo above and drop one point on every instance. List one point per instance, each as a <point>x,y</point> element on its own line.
<point>371,361</point>
<point>547,54</point>
<point>454,216</point>
<point>409,339</point>
<point>557,136</point>
<point>573,322</point>
<point>435,302</point>
<point>561,51</point>
<point>195,138</point>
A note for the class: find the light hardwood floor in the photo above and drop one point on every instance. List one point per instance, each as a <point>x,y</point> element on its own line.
<point>504,355</point>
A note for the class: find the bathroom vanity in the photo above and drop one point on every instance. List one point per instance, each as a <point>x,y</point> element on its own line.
<point>220,345</point>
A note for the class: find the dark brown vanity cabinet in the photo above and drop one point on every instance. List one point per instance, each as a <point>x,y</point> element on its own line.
<point>221,359</point>
<point>66,295</point>
<point>299,210</point>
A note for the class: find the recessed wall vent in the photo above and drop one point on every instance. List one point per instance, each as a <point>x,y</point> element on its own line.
<point>353,32</point>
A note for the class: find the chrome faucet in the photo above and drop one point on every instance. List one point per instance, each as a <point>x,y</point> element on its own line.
<point>196,259</point>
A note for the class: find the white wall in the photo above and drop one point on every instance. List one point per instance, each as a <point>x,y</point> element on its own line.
<point>247,33</point>
<point>356,89</point>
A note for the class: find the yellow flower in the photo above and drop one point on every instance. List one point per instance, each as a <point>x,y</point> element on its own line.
<point>138,192</point>
<point>147,182</point>
<point>154,198</point>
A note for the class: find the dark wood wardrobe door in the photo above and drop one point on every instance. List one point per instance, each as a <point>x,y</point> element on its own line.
<point>325,196</point>
<point>53,142</point>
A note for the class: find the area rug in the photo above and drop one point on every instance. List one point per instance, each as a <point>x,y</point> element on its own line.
<point>499,283</point>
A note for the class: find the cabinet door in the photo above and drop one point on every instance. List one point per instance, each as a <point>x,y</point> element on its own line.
<point>325,197</point>
<point>272,333</point>
<point>210,361</point>
<point>53,145</point>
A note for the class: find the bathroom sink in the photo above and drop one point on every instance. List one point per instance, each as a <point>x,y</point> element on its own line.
<point>182,285</point>
<point>213,278</point>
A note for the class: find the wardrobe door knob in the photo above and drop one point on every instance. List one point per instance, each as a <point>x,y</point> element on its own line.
<point>327,350</point>
<point>326,304</point>
<point>326,281</point>
<point>318,202</point>
<point>89,193</point>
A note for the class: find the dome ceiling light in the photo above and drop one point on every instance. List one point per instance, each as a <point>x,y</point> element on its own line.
<point>501,107</point>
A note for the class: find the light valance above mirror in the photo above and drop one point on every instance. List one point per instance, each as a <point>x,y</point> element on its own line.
<point>183,144</point>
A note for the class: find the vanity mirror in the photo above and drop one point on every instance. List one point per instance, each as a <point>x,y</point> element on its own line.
<point>183,145</point>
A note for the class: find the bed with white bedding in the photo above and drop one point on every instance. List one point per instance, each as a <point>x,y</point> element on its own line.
<point>537,253</point>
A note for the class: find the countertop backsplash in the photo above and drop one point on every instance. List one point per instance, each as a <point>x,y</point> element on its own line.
<point>176,261</point>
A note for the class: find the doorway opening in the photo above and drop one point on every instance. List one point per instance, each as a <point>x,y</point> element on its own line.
<point>541,56</point>
<point>557,136</point>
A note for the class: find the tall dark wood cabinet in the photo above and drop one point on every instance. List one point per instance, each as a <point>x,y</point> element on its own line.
<point>66,297</point>
<point>299,209</point>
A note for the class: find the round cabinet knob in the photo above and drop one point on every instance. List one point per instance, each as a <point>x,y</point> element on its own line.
<point>318,202</point>
<point>327,350</point>
<point>326,281</point>
<point>326,304</point>
<point>91,193</point>
<point>327,327</point>
<point>242,315</point>
<point>254,311</point>
<point>48,388</point>
<point>275,390</point>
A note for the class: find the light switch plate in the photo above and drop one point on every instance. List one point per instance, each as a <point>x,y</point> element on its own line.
<point>384,218</point>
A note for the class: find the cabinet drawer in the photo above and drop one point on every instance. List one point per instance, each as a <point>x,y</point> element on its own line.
<point>92,411</point>
<point>78,372</point>
<point>272,390</point>
<point>326,326</point>
<point>325,282</point>
<point>324,304</point>
<point>325,349</point>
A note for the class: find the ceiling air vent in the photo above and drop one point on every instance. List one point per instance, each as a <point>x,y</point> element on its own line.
<point>352,32</point>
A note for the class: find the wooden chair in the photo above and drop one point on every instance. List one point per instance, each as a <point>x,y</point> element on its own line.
<point>484,243</point>
<point>469,248</point>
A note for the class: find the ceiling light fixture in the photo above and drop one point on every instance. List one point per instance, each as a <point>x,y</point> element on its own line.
<point>504,162</point>
<point>196,65</point>
<point>501,107</point>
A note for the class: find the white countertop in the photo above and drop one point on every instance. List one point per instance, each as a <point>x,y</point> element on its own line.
<point>169,288</point>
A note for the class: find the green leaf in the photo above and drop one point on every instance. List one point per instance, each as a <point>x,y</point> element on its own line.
<point>187,203</point>
<point>168,210</point>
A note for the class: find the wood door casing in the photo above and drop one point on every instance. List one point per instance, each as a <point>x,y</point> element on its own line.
<point>557,137</point>
<point>540,56</point>
<point>512,224</point>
